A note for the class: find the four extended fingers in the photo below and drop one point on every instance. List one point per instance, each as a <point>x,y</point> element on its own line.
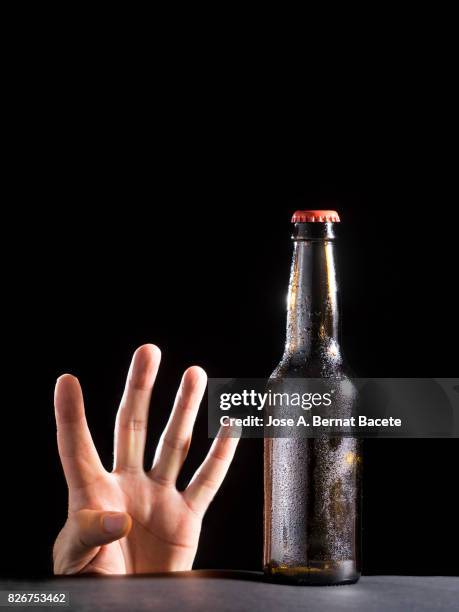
<point>78,455</point>
<point>175,440</point>
<point>132,417</point>
<point>80,459</point>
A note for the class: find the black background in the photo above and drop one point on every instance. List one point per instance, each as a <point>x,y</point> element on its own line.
<point>177,232</point>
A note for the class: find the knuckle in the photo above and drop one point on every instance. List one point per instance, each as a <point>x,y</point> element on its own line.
<point>176,442</point>
<point>132,424</point>
<point>219,457</point>
<point>207,482</point>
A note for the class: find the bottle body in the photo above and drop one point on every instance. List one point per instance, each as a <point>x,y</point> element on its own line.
<point>312,485</point>
<point>312,510</point>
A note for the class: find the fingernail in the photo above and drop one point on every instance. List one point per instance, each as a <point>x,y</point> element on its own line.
<point>114,523</point>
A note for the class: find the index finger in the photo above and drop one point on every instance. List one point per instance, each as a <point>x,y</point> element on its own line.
<point>78,454</point>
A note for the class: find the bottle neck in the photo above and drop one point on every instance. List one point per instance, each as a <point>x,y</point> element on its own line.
<point>312,315</point>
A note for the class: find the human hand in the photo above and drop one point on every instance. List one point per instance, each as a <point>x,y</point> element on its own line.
<point>128,520</point>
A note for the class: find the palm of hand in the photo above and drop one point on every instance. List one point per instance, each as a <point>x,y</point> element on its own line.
<point>164,533</point>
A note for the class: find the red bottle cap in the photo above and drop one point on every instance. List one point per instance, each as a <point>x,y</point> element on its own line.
<point>313,216</point>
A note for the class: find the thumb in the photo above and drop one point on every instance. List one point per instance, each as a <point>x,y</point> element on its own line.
<point>82,536</point>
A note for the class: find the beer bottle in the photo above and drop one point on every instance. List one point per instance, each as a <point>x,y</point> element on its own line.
<point>312,486</point>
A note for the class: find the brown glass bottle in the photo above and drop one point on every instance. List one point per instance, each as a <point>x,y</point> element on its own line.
<point>312,486</point>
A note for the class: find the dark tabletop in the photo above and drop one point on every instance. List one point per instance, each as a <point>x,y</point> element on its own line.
<point>246,591</point>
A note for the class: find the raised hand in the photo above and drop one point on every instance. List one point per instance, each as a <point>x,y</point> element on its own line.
<point>128,520</point>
